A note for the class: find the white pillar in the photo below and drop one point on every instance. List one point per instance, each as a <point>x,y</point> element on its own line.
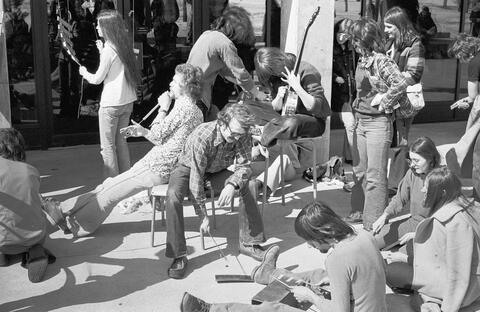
<point>318,49</point>
<point>5,119</point>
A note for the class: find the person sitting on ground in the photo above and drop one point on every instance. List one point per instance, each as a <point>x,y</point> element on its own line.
<point>215,53</point>
<point>354,269</point>
<point>23,225</point>
<point>85,213</point>
<point>444,267</point>
<point>423,158</point>
<point>209,151</point>
<point>275,72</point>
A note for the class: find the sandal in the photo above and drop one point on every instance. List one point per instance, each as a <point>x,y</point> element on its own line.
<point>36,263</point>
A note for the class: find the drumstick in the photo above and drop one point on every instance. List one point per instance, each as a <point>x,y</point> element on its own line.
<point>219,249</point>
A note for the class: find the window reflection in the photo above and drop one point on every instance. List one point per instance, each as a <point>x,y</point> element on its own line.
<point>18,31</point>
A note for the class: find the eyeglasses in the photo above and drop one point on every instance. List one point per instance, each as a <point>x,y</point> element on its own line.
<point>344,36</point>
<point>236,135</point>
<point>412,161</point>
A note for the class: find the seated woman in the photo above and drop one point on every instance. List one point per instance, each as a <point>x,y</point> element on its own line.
<point>169,130</point>
<point>354,269</point>
<point>444,269</point>
<point>423,158</point>
<point>23,226</point>
<point>275,72</point>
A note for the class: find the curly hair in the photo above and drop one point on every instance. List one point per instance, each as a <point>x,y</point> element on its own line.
<point>368,35</point>
<point>343,25</point>
<point>191,79</point>
<point>12,144</point>
<point>238,111</point>
<point>235,23</point>
<point>270,63</point>
<point>399,18</point>
<point>317,222</point>
<point>464,47</point>
<point>115,31</point>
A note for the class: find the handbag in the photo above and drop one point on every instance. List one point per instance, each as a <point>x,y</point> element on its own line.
<point>415,96</point>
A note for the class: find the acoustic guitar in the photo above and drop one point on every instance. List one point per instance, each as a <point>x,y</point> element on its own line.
<point>291,97</point>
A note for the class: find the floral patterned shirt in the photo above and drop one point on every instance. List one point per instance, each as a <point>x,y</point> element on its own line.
<point>169,136</point>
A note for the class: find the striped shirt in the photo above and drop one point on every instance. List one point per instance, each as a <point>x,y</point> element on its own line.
<point>206,151</point>
<point>410,59</point>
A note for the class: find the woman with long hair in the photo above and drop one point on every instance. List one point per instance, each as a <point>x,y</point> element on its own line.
<point>423,158</point>
<point>379,84</point>
<point>120,76</point>
<point>446,272</point>
<point>215,53</point>
<point>343,81</point>
<point>354,269</point>
<point>85,213</point>
<point>405,47</point>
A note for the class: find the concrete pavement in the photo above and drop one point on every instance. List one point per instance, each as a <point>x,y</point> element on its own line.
<point>116,269</point>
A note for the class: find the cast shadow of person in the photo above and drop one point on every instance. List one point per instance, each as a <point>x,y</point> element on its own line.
<point>98,287</point>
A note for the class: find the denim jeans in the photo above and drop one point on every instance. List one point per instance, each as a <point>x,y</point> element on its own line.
<point>88,211</point>
<point>273,177</point>
<point>476,169</point>
<point>114,148</point>
<point>249,218</point>
<point>312,277</point>
<point>348,120</point>
<point>291,127</point>
<point>403,129</point>
<point>373,136</point>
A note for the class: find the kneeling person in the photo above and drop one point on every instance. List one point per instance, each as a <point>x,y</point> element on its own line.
<point>209,151</point>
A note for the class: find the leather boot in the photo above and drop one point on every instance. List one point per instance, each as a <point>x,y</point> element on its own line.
<point>191,303</point>
<point>262,274</point>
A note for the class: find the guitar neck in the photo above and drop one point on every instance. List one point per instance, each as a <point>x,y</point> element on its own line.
<point>302,46</point>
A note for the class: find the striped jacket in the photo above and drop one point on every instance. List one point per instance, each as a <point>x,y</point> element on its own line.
<point>410,59</point>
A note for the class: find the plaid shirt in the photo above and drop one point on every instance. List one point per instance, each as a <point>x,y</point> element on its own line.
<point>385,77</point>
<point>206,151</point>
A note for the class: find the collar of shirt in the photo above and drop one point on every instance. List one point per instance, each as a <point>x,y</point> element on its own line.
<point>367,61</point>
<point>447,211</point>
<point>218,137</point>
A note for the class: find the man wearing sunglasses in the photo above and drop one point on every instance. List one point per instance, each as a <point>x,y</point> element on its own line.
<point>209,150</point>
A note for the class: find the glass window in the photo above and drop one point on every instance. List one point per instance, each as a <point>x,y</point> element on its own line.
<point>21,75</point>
